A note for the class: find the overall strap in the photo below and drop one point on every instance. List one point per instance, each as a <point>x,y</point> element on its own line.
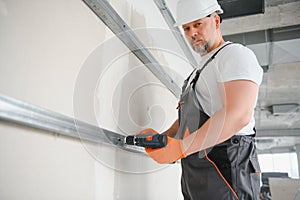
<point>187,81</point>
<point>206,63</point>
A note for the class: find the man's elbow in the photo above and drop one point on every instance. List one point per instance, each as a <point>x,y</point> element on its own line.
<point>240,119</point>
<point>244,120</point>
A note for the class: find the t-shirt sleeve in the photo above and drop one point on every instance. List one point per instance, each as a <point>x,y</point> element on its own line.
<point>239,63</point>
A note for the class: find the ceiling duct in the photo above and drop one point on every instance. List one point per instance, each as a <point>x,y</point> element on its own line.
<point>238,8</point>
<point>283,109</point>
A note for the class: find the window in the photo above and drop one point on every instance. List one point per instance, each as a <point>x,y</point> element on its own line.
<point>280,162</point>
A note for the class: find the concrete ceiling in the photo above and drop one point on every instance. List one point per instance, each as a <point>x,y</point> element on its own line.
<point>275,38</point>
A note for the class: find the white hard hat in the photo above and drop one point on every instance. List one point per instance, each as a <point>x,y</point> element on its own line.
<point>191,10</point>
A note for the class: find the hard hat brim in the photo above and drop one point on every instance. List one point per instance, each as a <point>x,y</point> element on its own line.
<point>180,23</point>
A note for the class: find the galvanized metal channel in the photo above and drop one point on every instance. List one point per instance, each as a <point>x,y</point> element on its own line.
<point>119,27</point>
<point>23,113</point>
<point>167,15</point>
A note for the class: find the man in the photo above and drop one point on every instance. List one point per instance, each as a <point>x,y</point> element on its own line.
<point>214,135</point>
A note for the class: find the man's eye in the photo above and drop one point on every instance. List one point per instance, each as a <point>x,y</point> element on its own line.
<point>186,29</point>
<point>198,24</point>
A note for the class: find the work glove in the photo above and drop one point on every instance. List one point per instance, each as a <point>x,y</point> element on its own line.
<point>168,154</point>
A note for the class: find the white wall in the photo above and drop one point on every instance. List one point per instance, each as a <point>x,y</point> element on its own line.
<point>46,47</point>
<point>35,165</point>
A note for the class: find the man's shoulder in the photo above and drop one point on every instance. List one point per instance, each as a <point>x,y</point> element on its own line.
<point>236,49</point>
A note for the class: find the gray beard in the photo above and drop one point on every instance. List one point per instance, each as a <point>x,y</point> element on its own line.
<point>201,50</point>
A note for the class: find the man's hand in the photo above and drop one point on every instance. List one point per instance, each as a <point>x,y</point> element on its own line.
<point>148,130</point>
<point>169,154</point>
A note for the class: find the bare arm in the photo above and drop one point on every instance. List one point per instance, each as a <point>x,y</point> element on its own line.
<point>172,131</point>
<point>238,101</point>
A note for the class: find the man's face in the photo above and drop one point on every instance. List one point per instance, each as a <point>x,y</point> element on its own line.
<point>201,34</point>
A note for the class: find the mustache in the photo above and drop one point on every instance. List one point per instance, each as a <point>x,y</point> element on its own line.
<point>195,39</point>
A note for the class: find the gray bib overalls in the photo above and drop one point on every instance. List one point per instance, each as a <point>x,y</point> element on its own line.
<point>235,158</point>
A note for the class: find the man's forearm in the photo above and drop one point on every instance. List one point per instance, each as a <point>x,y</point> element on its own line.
<point>172,131</point>
<point>215,130</point>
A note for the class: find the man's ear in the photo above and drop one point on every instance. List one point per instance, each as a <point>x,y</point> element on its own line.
<point>218,21</point>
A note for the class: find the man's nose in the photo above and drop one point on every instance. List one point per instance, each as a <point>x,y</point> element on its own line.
<point>194,32</point>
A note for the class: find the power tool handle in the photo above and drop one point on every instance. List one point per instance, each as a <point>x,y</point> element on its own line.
<point>152,140</point>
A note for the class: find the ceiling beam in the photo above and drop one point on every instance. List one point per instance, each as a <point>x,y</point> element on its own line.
<point>269,3</point>
<point>278,132</point>
<point>275,150</point>
<point>281,15</point>
<point>263,36</point>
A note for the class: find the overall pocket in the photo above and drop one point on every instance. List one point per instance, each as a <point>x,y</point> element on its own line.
<point>255,177</point>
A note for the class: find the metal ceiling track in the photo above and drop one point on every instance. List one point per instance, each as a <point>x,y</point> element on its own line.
<point>118,26</point>
<point>23,113</point>
<point>167,15</point>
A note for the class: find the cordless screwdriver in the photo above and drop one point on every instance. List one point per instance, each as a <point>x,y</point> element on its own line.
<point>147,140</point>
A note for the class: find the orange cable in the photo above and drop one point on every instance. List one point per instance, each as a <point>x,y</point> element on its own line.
<point>229,186</point>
